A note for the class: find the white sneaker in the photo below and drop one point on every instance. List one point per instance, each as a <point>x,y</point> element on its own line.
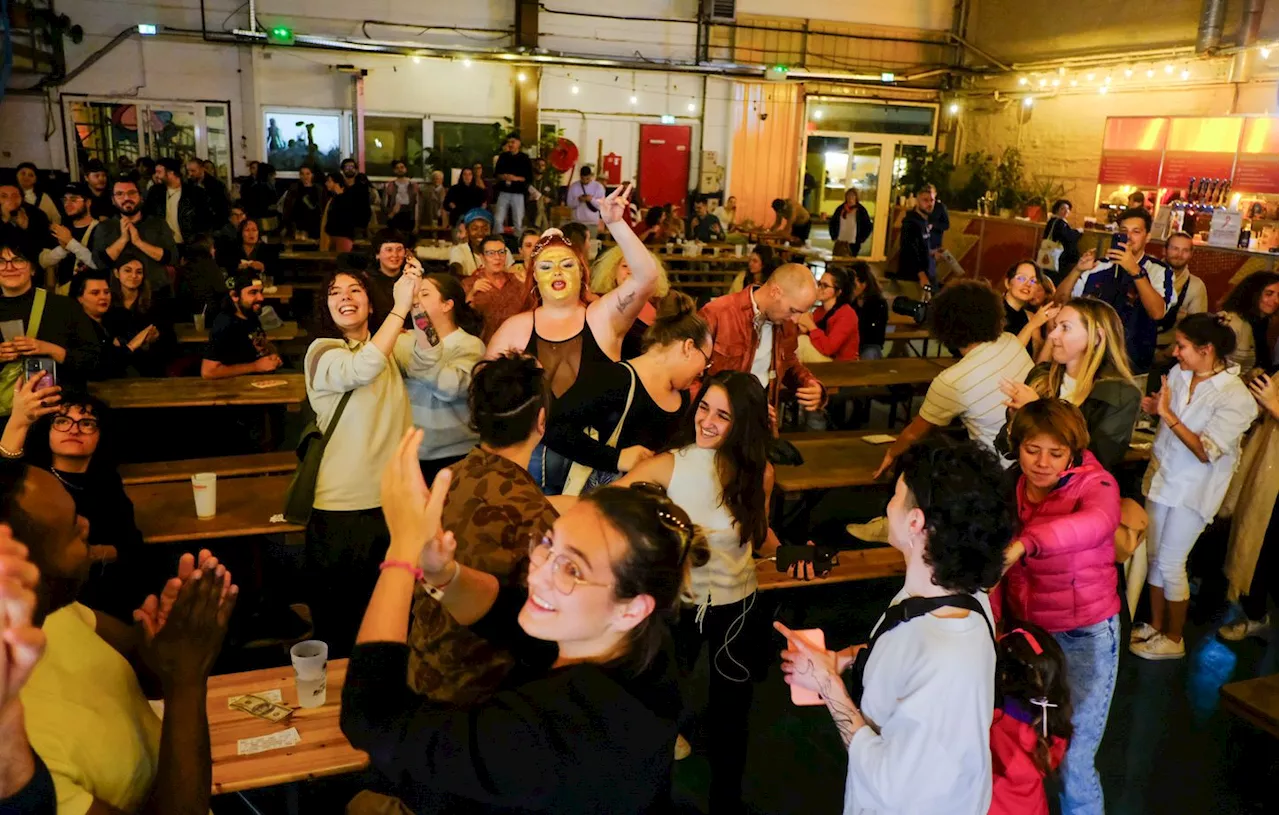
<point>1244,628</point>
<point>1142,632</point>
<point>875,530</point>
<point>1159,647</point>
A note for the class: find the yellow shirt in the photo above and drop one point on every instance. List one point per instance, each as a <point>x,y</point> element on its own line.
<point>87,718</point>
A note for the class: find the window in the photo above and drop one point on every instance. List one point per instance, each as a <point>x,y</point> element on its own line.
<point>107,131</point>
<point>296,137</point>
<point>461,144</point>
<point>865,117</point>
<point>388,139</point>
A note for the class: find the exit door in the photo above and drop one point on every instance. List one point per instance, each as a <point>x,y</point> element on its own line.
<point>664,164</point>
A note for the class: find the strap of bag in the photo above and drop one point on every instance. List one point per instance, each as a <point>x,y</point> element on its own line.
<point>904,612</point>
<point>580,474</point>
<point>631,392</point>
<point>337,414</point>
<point>37,312</point>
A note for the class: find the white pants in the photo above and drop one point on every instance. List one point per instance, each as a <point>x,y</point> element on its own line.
<point>1172,533</point>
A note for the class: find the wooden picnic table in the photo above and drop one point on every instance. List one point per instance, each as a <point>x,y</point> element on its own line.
<point>189,335</point>
<point>323,750</point>
<point>716,260</point>
<point>843,458</point>
<point>160,472</point>
<point>1255,701</point>
<point>166,512</point>
<point>309,256</point>
<point>194,391</point>
<point>855,564</point>
<point>280,291</point>
<point>880,373</point>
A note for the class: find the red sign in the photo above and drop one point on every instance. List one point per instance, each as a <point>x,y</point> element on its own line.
<point>1181,166</point>
<point>1257,173</point>
<point>1139,167</point>
<point>611,169</point>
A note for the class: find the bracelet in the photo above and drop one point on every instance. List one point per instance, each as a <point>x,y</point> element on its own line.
<point>401,564</point>
<point>400,317</point>
<point>1172,426</point>
<point>437,592</point>
<point>7,453</point>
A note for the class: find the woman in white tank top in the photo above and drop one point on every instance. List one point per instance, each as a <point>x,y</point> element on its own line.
<point>719,473</point>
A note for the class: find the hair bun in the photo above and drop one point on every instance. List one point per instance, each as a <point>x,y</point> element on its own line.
<point>552,233</point>
<point>676,306</point>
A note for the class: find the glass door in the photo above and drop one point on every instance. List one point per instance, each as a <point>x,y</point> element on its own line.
<point>106,131</point>
<point>834,165</point>
<point>170,131</point>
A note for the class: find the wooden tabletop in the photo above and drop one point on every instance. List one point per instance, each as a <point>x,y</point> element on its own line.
<point>1255,701</point>
<point>881,373</point>
<point>194,391</point>
<point>860,564</point>
<point>160,472</point>
<point>166,512</point>
<point>718,260</point>
<point>187,333</point>
<point>309,256</point>
<point>280,291</point>
<point>323,751</point>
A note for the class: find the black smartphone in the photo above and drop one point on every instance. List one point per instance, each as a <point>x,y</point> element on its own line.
<point>1120,240</point>
<point>822,557</point>
<point>42,370</point>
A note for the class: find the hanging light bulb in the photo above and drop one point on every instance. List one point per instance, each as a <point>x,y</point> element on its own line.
<point>1264,51</point>
<point>635,100</point>
<point>817,114</point>
<point>1150,73</point>
<point>1168,67</point>
<point>1027,101</point>
<point>1055,83</point>
<point>1128,72</point>
<point>574,89</point>
<point>692,107</point>
<point>1022,80</point>
<point>1044,82</point>
<point>1089,76</point>
<point>1102,89</point>
<point>466,63</point>
<point>1185,74</point>
<point>1073,83</point>
<point>520,77</point>
<point>954,108</point>
<point>1106,80</point>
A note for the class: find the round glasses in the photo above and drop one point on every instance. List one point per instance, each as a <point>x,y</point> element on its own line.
<point>87,426</point>
<point>565,574</point>
<point>14,263</point>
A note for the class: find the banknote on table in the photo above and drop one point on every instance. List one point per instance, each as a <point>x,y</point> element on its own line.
<point>258,706</point>
<point>275,741</point>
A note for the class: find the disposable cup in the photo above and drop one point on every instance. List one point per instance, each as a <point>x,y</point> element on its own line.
<point>205,487</point>
<point>310,663</point>
<point>198,319</point>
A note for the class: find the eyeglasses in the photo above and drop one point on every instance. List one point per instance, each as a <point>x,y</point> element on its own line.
<point>565,574</point>
<point>495,252</point>
<point>824,285</point>
<point>707,366</point>
<point>14,263</point>
<point>86,426</point>
<point>1026,281</point>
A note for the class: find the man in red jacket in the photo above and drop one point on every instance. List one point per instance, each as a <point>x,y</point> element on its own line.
<point>755,332</point>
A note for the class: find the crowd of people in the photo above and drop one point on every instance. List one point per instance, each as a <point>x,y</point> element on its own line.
<point>544,488</point>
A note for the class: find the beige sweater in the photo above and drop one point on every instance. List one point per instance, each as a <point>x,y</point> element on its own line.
<point>373,422</point>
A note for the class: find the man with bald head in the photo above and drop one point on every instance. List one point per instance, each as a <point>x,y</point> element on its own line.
<point>755,332</point>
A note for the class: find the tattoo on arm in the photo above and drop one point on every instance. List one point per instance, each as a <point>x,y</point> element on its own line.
<point>843,712</point>
<point>624,301</point>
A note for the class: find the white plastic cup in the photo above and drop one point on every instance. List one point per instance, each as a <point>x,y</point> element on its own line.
<point>738,249</point>
<point>198,319</point>
<point>310,671</point>
<point>205,487</point>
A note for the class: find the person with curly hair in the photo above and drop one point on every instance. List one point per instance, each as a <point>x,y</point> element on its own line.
<point>1250,310</point>
<point>968,318</point>
<point>917,723</point>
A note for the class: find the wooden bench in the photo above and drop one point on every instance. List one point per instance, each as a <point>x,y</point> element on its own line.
<point>166,512</point>
<point>163,472</point>
<point>1255,701</point>
<point>194,391</point>
<point>858,564</point>
<point>188,334</point>
<point>880,373</point>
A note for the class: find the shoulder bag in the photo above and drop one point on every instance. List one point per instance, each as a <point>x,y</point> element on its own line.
<point>300,498</point>
<point>580,474</point>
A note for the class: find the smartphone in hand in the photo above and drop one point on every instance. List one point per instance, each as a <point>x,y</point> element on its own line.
<point>41,370</point>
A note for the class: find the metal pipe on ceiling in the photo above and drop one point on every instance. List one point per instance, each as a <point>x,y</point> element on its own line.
<point>1213,17</point>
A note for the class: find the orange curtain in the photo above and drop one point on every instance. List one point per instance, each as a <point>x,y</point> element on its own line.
<point>767,118</point>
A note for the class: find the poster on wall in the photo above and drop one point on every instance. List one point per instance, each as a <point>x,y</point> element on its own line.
<point>1140,168</point>
<point>1182,166</point>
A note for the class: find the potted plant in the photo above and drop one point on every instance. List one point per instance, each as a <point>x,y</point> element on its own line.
<point>979,171</point>
<point>1009,182</point>
<point>1041,192</point>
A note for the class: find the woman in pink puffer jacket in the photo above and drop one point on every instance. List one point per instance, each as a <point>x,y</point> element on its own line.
<point>1062,575</point>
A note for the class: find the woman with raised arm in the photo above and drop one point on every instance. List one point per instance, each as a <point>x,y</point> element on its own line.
<point>571,339</point>
<point>586,721</point>
<point>355,378</point>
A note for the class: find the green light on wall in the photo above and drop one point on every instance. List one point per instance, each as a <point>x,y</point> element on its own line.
<point>280,35</point>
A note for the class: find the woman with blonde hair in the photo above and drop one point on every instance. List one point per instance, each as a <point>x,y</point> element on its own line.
<point>610,272</point>
<point>1089,368</point>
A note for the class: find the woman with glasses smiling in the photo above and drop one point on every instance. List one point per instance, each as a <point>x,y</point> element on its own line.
<point>64,436</point>
<point>610,423</point>
<point>586,721</point>
<point>1021,318</point>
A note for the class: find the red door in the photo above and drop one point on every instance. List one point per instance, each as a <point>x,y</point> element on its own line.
<point>664,164</point>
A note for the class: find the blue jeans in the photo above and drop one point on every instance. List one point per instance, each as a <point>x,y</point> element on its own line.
<point>549,469</point>
<point>1093,659</point>
<point>871,352</point>
<point>515,202</point>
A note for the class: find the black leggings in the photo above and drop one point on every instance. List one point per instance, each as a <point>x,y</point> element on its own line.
<point>1265,574</point>
<point>728,701</point>
<point>343,551</point>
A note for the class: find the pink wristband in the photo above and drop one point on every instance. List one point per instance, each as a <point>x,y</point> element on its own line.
<point>402,564</point>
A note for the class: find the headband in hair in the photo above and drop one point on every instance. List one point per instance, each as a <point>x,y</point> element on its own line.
<point>1035,646</point>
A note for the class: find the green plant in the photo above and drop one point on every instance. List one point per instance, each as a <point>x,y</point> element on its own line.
<point>1009,183</point>
<point>926,167</point>
<point>548,139</point>
<point>1042,191</point>
<point>979,171</point>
